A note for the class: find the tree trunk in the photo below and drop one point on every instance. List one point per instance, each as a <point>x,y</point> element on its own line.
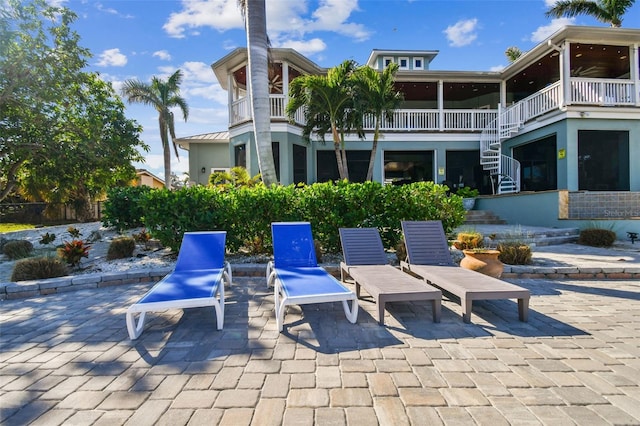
<point>374,148</point>
<point>258,45</point>
<point>338,150</point>
<point>166,152</point>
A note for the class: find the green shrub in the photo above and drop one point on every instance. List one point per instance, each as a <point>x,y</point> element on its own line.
<point>246,213</point>
<point>121,248</point>
<point>514,253</point>
<point>597,237</point>
<point>123,208</point>
<point>17,249</point>
<point>36,268</point>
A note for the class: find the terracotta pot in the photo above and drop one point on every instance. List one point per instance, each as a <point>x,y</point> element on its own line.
<point>485,262</point>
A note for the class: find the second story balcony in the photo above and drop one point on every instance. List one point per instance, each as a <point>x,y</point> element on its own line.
<point>581,91</point>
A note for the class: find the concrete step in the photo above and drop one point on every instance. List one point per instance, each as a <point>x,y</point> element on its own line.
<point>532,235</point>
<point>483,217</point>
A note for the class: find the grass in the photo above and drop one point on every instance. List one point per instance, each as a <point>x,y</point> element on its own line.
<point>10,227</point>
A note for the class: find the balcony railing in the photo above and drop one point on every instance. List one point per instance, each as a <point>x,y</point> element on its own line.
<point>582,91</point>
<point>607,92</point>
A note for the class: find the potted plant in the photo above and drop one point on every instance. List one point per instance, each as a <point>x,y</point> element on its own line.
<point>468,197</point>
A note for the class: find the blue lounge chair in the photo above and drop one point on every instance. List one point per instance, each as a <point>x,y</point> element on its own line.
<point>296,277</point>
<point>199,275</point>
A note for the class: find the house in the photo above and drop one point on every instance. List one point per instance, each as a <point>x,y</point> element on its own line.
<point>145,178</point>
<point>208,153</point>
<point>551,140</point>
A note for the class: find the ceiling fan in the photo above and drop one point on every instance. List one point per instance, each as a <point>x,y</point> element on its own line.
<point>275,81</point>
<point>581,71</point>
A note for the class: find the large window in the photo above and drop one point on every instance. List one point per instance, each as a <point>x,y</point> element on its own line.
<point>603,160</point>
<point>299,164</point>
<point>401,167</point>
<point>357,162</point>
<point>538,164</point>
<point>464,169</point>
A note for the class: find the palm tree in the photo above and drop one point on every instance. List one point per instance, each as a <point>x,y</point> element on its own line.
<point>377,96</point>
<point>328,104</point>
<point>162,95</point>
<point>258,52</point>
<point>607,11</point>
<point>513,53</point>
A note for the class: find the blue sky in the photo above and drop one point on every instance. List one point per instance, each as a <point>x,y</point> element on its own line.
<point>137,39</point>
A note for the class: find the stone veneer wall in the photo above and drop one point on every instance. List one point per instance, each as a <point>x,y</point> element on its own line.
<point>602,205</point>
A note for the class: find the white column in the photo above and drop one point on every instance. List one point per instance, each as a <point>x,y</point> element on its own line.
<point>285,81</point>
<point>634,63</point>
<point>565,73</point>
<point>441,105</point>
<point>230,90</point>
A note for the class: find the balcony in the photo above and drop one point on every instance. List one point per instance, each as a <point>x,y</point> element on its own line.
<point>418,120</point>
<point>582,91</point>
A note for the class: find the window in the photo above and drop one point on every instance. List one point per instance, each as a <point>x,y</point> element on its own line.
<point>402,167</point>
<point>538,164</point>
<point>240,154</point>
<point>603,160</point>
<point>386,61</point>
<point>464,169</point>
<point>417,63</point>
<point>275,148</point>
<point>357,163</point>
<point>299,164</point>
<point>403,63</point>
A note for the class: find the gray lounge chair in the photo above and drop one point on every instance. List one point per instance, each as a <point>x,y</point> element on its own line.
<point>366,264</point>
<point>428,258</point>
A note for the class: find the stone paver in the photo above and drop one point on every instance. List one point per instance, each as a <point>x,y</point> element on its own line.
<point>66,359</point>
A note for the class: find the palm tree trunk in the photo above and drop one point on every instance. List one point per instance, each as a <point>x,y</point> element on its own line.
<point>166,152</point>
<point>259,87</point>
<point>374,148</point>
<point>338,151</point>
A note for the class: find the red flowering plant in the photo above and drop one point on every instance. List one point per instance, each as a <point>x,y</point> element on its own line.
<point>73,251</point>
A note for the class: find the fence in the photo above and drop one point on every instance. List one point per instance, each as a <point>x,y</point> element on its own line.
<point>44,213</point>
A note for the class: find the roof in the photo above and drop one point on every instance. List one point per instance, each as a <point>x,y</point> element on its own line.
<point>376,53</point>
<point>214,137</point>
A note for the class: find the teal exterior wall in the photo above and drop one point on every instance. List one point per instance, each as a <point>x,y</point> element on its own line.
<point>566,132</point>
<point>207,155</point>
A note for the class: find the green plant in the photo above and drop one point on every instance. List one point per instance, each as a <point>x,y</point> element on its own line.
<point>467,192</point>
<point>121,248</point>
<point>17,249</point>
<point>74,232</point>
<point>143,237</point>
<point>36,268</point>
<point>597,237</point>
<point>469,240</point>
<point>47,238</point>
<point>123,208</point>
<point>73,251</point>
<point>514,253</point>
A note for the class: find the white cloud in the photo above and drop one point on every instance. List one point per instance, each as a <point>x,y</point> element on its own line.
<point>307,47</point>
<point>219,14</point>
<point>288,21</point>
<point>462,33</point>
<point>162,54</point>
<point>550,3</point>
<point>497,68</point>
<point>545,31</point>
<point>112,57</point>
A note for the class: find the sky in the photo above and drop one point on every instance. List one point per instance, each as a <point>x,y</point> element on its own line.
<point>139,39</point>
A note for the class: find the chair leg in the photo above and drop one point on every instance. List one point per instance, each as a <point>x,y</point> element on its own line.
<point>135,329</point>
<point>437,309</point>
<point>352,314</point>
<point>466,309</point>
<point>523,309</point>
<point>381,306</point>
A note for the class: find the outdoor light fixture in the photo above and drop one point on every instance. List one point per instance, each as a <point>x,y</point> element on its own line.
<point>202,170</point>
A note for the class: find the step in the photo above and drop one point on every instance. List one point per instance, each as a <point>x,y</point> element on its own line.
<point>534,236</point>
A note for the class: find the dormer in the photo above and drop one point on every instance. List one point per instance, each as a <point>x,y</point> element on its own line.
<point>407,60</point>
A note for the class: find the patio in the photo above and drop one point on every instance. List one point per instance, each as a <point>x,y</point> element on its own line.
<point>66,359</point>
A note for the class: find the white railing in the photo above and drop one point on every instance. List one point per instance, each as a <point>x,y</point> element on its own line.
<point>468,119</point>
<point>406,119</point>
<point>541,102</point>
<point>598,91</point>
<point>240,111</point>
